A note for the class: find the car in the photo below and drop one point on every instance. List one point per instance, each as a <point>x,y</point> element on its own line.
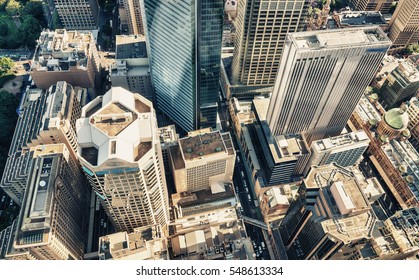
<point>242,173</point>
<point>101,222</point>
<point>263,245</point>
<point>238,159</point>
<point>247,190</point>
<point>249,197</point>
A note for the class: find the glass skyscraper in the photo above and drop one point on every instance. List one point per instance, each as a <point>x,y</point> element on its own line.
<point>185,46</point>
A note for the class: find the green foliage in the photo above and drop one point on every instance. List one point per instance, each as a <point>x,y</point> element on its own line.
<point>412,49</point>
<point>56,20</point>
<point>29,31</point>
<point>6,64</point>
<point>2,5</point>
<point>12,7</point>
<point>34,8</point>
<point>4,28</point>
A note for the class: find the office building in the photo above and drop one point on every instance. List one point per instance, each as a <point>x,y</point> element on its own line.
<point>45,118</point>
<point>261,28</point>
<point>401,84</point>
<point>63,55</point>
<point>274,204</point>
<point>203,160</point>
<point>350,19</point>
<point>78,15</point>
<point>317,228</point>
<point>132,69</point>
<point>120,153</point>
<point>323,75</point>
<point>185,44</point>
<point>372,5</point>
<point>144,243</point>
<point>53,216</point>
<point>345,150</point>
<point>404,26</point>
<point>133,15</point>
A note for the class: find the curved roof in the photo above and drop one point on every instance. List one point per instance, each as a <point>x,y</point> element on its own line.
<point>397,118</point>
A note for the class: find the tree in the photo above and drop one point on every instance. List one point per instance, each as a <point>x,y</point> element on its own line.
<point>4,28</point>
<point>2,4</point>
<point>34,8</point>
<point>12,8</point>
<point>29,31</point>
<point>6,64</point>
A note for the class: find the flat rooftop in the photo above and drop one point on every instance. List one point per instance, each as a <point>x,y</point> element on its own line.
<point>341,140</point>
<point>131,46</point>
<point>202,145</point>
<point>336,38</point>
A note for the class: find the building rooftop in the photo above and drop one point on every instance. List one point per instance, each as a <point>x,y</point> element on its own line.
<point>361,18</point>
<point>341,140</point>
<point>119,125</point>
<point>61,49</point>
<point>397,118</point>
<point>145,243</point>
<point>202,145</point>
<point>130,46</point>
<point>338,38</point>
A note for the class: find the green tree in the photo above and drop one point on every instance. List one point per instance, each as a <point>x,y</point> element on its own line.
<point>12,7</point>
<point>4,28</point>
<point>2,5</point>
<point>29,31</point>
<point>6,64</point>
<point>34,8</point>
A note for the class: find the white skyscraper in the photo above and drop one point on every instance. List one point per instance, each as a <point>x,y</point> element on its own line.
<point>120,152</point>
<point>322,76</point>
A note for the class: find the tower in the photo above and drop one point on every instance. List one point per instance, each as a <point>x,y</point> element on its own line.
<point>120,153</point>
<point>260,36</point>
<point>404,26</point>
<point>185,47</point>
<point>322,76</point>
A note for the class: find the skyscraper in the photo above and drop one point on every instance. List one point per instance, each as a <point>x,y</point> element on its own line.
<point>54,211</point>
<point>78,15</point>
<point>185,48</point>
<point>372,5</point>
<point>404,24</point>
<point>120,153</point>
<point>261,28</point>
<point>322,76</point>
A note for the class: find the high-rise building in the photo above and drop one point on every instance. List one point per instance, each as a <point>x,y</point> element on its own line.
<point>203,160</point>
<point>53,217</point>
<point>413,112</point>
<point>401,84</point>
<point>372,5</point>
<point>134,17</point>
<point>261,28</point>
<point>345,150</point>
<point>330,213</point>
<point>185,45</point>
<point>46,118</point>
<point>63,55</point>
<point>404,25</point>
<point>132,69</point>
<point>78,15</point>
<point>322,76</point>
<point>120,152</point>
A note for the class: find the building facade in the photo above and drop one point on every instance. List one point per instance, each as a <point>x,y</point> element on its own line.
<point>46,118</point>
<point>132,69</point>
<point>120,153</point>
<point>401,84</point>
<point>261,28</point>
<point>134,17</point>
<point>53,216</point>
<point>78,15</point>
<point>203,160</point>
<point>404,26</point>
<point>185,44</point>
<point>345,150</point>
<point>372,5</point>
<point>323,75</point>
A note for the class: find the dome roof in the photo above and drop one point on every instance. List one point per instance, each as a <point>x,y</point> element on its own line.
<point>397,118</point>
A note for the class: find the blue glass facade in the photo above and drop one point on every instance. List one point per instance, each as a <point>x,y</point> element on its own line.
<point>185,53</point>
